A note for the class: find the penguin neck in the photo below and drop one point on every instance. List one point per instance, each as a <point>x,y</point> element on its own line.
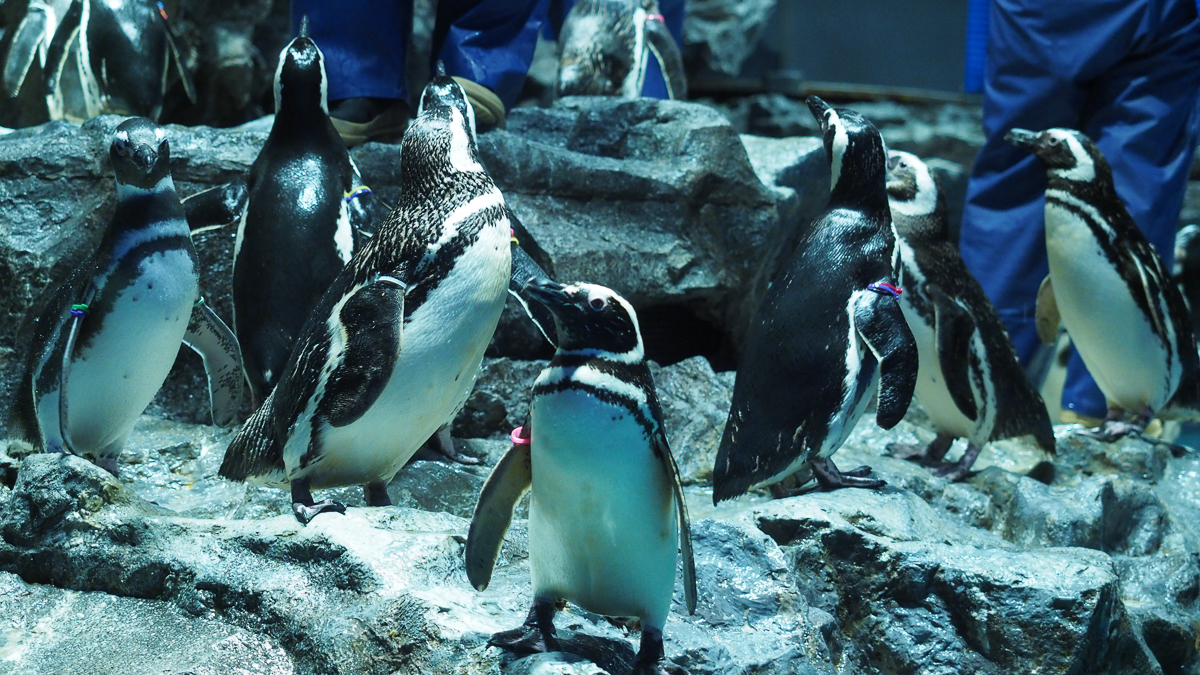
<point>165,186</point>
<point>862,192</point>
<point>300,117</point>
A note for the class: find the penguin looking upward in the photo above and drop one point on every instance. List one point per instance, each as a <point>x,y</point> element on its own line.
<point>1111,289</point>
<point>605,47</point>
<point>393,348</point>
<point>829,333</point>
<point>107,340</point>
<point>295,233</point>
<point>607,511</point>
<point>969,380</point>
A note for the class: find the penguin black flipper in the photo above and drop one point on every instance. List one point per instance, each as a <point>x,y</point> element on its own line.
<point>508,482</point>
<point>59,50</point>
<point>955,328</point>
<point>185,78</point>
<point>255,450</point>
<point>659,445</point>
<point>369,320</point>
<point>22,49</point>
<point>216,206</point>
<point>881,325</point>
<point>663,49</point>
<point>217,346</point>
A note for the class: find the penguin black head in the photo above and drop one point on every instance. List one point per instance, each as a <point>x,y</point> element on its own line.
<point>444,128</point>
<point>300,81</point>
<point>589,318</point>
<point>856,152</point>
<point>912,188</point>
<point>596,48</point>
<point>1065,153</point>
<point>140,154</point>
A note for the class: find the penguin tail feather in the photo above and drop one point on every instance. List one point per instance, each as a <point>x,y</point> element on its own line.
<point>252,452</point>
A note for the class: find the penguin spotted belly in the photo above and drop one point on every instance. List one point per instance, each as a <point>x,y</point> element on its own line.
<point>602,526</point>
<point>108,390</point>
<point>442,344</point>
<point>1114,338</point>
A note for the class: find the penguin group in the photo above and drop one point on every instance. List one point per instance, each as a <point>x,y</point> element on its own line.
<point>360,341</point>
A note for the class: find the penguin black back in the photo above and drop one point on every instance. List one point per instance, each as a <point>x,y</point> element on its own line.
<point>805,375</point>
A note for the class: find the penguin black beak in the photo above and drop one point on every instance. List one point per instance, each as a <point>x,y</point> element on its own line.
<point>546,292</point>
<point>817,107</point>
<point>1023,138</point>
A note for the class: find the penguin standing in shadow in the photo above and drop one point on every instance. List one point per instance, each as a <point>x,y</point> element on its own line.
<point>391,352</point>
<point>607,517</point>
<point>829,333</point>
<point>106,342</point>
<point>606,46</point>
<point>1110,289</point>
<point>296,232</point>
<point>969,381</point>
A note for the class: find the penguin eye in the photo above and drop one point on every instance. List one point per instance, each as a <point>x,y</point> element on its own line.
<point>121,146</point>
<point>1053,141</point>
<point>597,303</point>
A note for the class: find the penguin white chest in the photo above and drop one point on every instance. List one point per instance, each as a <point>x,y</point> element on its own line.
<point>931,388</point>
<point>116,374</point>
<point>1114,337</point>
<point>441,346</point>
<point>602,527</point>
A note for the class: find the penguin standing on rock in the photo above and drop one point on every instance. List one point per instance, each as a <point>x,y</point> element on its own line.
<point>969,381</point>
<point>296,232</point>
<point>1110,289</point>
<point>393,348</point>
<point>829,333</point>
<point>607,511</point>
<point>105,344</point>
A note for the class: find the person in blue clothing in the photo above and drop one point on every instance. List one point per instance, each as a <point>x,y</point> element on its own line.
<point>486,45</point>
<point>1124,72</point>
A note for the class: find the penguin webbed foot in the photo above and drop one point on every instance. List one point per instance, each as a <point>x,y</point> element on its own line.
<point>303,506</point>
<point>912,452</point>
<point>830,478</point>
<point>375,494</point>
<point>930,455</point>
<point>651,658</point>
<point>306,512</point>
<point>109,464</point>
<point>443,445</point>
<point>1115,427</point>
<point>957,471</point>
<point>535,636</point>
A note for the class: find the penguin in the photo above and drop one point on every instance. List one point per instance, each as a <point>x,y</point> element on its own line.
<point>105,343</point>
<point>607,515</point>
<point>295,233</point>
<point>829,332</point>
<point>969,379</point>
<point>114,56</point>
<point>1186,270</point>
<point>1110,289</point>
<point>30,28</point>
<point>605,47</point>
<point>393,348</point>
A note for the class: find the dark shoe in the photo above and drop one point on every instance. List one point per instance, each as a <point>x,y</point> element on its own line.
<point>359,120</point>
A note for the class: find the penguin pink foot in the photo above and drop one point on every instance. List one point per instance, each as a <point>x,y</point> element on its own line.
<point>957,471</point>
<point>535,636</point>
<point>1115,427</point>
<point>443,445</point>
<point>930,454</point>
<point>303,506</point>
<point>829,477</point>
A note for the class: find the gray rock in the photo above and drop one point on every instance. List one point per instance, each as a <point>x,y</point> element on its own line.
<point>720,34</point>
<point>795,170</point>
<point>695,402</point>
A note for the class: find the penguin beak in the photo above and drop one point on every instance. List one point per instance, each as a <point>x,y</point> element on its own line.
<point>546,292</point>
<point>817,107</point>
<point>1023,138</point>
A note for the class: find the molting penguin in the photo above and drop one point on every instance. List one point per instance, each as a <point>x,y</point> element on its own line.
<point>106,342</point>
<point>607,504</point>
<point>969,381</point>
<point>1110,289</point>
<point>392,350</point>
<point>605,46</point>
<point>829,333</point>
<point>296,232</point>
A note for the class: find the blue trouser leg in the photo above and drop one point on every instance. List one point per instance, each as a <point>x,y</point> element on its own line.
<point>490,42</point>
<point>1126,74</point>
<point>364,43</point>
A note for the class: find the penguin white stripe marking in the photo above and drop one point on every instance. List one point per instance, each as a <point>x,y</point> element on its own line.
<point>1090,211</point>
<point>924,202</point>
<point>485,201</point>
<point>632,86</point>
<point>1084,169</point>
<point>241,233</point>
<point>590,376</point>
<point>629,357</point>
<point>841,140</point>
<point>596,291</point>
<point>343,237</point>
<point>461,157</point>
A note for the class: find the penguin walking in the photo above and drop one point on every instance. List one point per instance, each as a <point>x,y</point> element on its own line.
<point>393,348</point>
<point>829,333</point>
<point>1110,289</point>
<point>607,515</point>
<point>605,47</point>
<point>969,380</point>
<point>106,342</point>
<point>296,231</point>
